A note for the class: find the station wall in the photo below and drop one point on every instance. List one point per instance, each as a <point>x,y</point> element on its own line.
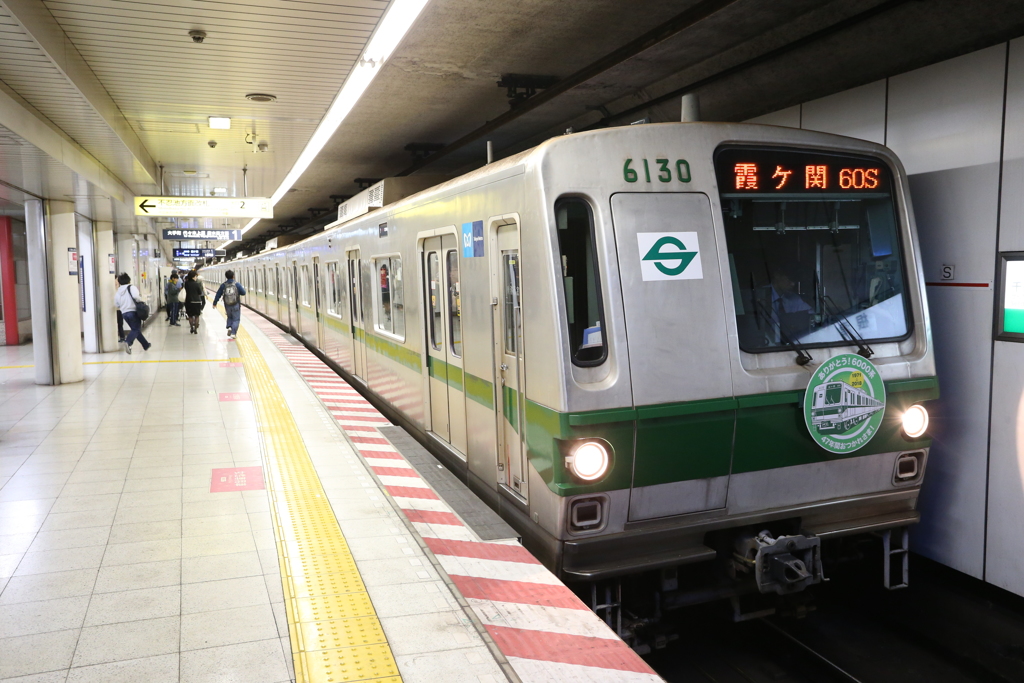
<point>958,127</point>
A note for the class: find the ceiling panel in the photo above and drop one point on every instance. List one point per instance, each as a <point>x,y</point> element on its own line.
<point>26,70</point>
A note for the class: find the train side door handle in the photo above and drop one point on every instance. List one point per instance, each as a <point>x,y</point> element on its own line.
<point>504,367</point>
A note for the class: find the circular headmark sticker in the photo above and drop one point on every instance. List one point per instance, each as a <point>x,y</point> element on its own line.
<point>844,403</point>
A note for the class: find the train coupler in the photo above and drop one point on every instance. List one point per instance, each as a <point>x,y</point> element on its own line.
<point>782,565</point>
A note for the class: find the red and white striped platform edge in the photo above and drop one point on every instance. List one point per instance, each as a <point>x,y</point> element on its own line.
<point>545,631</point>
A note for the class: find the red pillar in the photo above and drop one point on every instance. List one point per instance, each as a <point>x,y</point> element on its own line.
<point>7,280</point>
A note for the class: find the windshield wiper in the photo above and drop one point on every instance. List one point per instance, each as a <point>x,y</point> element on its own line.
<point>802,357</point>
<point>846,330</point>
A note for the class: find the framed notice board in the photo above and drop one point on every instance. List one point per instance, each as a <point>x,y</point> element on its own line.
<point>1009,318</point>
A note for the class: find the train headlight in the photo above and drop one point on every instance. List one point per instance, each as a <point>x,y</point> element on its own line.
<point>915,421</point>
<point>589,461</point>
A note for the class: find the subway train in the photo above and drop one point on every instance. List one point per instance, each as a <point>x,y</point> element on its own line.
<point>615,339</point>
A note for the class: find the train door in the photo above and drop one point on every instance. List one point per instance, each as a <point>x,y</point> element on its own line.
<point>318,304</point>
<point>678,351</point>
<point>295,313</point>
<point>355,309</point>
<point>437,365</point>
<point>510,371</point>
<point>442,288</point>
<point>278,294</point>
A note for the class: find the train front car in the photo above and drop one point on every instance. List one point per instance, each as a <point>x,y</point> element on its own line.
<point>746,351</point>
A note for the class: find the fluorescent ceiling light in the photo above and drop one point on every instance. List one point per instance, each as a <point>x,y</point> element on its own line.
<point>400,16</point>
<point>220,122</point>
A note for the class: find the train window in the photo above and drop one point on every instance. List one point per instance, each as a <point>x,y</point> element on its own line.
<point>334,295</point>
<point>390,304</point>
<point>511,309</point>
<point>305,286</point>
<point>580,281</point>
<point>434,320</point>
<point>454,303</point>
<point>814,248</point>
<point>268,281</point>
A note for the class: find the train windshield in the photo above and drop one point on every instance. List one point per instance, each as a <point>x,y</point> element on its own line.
<point>814,248</point>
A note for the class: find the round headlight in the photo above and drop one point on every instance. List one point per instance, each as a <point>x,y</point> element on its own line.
<point>589,461</point>
<point>915,421</point>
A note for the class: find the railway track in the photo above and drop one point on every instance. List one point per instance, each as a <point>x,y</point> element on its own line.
<point>944,629</point>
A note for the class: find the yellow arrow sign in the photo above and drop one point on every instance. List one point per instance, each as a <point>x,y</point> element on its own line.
<point>205,207</point>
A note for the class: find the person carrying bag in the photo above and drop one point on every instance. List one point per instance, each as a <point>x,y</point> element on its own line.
<point>195,301</point>
<point>133,310</point>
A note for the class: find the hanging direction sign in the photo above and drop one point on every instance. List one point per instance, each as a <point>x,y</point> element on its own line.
<point>186,253</point>
<point>213,207</point>
<point>212,235</point>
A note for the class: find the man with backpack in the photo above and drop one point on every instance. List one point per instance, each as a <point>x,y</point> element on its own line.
<point>231,292</point>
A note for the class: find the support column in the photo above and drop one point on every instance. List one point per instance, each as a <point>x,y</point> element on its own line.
<point>106,271</point>
<point>88,263</point>
<point>56,313</point>
<point>8,283</point>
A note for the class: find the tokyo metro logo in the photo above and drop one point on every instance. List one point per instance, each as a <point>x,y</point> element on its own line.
<point>669,256</point>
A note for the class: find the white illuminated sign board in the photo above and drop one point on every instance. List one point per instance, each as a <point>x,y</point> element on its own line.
<point>213,207</point>
<point>207,235</point>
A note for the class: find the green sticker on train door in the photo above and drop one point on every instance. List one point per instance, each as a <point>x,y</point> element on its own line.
<point>844,403</point>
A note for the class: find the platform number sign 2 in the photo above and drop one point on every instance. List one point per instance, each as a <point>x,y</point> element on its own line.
<point>664,170</point>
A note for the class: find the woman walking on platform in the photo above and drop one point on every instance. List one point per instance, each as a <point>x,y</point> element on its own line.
<point>195,301</point>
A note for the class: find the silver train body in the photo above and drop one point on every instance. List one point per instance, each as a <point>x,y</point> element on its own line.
<point>458,310</point>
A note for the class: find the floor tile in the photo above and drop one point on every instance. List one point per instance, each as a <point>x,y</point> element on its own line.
<point>208,526</point>
<point>257,662</point>
<point>158,669</point>
<point>50,586</point>
<point>147,498</point>
<point>128,640</point>
<point>145,531</point>
<point>37,653</point>
<point>70,538</point>
<point>217,544</point>
<point>21,524</point>
<point>133,605</point>
<point>47,561</point>
<point>227,627</point>
<point>141,552</point>
<point>217,567</point>
<point>148,513</point>
<point>135,576</point>
<point>214,508</point>
<point>153,484</point>
<point>104,501</point>
<point>27,618</point>
<point>78,520</point>
<point>223,594</point>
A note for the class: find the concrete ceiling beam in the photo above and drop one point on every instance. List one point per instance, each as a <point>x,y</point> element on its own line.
<point>37,22</point>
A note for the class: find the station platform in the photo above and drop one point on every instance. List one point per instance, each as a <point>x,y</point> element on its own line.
<point>217,510</point>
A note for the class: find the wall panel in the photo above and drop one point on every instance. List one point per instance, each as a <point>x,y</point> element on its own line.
<point>857,113</point>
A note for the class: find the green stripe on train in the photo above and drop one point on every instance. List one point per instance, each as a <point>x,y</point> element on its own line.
<point>695,439</point>
<point>476,388</point>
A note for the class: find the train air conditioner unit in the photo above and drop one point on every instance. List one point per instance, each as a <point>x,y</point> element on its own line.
<point>384,192</point>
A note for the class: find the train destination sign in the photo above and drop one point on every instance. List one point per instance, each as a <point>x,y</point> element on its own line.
<point>844,403</point>
<point>193,253</point>
<point>205,207</point>
<point>209,235</point>
<point>763,171</point>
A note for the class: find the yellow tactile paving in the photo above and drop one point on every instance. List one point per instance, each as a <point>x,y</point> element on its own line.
<point>335,634</point>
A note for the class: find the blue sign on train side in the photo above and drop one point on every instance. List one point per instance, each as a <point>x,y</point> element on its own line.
<point>472,239</point>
